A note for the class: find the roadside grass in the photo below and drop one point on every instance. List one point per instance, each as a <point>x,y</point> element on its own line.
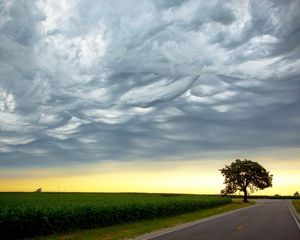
<point>296,204</point>
<point>130,230</point>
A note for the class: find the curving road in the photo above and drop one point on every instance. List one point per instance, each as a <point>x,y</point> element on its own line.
<point>269,219</point>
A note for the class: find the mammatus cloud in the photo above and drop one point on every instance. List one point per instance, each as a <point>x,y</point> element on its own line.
<point>93,80</point>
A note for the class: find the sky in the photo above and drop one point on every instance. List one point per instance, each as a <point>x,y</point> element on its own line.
<point>147,95</point>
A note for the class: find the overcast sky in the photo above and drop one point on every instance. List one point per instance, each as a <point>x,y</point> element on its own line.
<point>86,81</point>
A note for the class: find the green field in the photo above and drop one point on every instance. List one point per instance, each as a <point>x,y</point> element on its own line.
<point>36,214</point>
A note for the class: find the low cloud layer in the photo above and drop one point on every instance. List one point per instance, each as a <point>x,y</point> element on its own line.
<point>87,81</point>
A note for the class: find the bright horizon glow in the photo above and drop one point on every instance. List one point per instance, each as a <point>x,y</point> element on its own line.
<point>195,177</point>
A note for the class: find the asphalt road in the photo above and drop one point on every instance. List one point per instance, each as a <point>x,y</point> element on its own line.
<point>269,219</point>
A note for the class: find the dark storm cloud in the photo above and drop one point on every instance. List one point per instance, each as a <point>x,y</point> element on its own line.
<point>84,81</point>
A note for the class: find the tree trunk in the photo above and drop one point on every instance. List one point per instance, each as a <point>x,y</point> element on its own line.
<point>245,195</point>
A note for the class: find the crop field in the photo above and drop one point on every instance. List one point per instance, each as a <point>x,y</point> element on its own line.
<point>35,214</point>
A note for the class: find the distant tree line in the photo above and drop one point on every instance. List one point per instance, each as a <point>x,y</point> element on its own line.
<point>276,196</point>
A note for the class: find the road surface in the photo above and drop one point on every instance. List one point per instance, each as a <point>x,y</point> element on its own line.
<point>269,219</point>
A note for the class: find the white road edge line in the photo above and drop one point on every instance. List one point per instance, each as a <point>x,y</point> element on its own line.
<point>295,218</point>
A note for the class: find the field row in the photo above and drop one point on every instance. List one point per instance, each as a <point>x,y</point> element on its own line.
<point>28,215</point>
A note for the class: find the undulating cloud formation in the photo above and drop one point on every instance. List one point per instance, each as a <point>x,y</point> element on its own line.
<point>88,80</point>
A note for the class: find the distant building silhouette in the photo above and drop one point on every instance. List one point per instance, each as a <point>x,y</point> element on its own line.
<point>38,190</point>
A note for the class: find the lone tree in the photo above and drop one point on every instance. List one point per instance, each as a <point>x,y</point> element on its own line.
<point>245,174</point>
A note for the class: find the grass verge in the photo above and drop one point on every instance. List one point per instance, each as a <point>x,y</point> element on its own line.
<point>131,230</point>
<point>296,204</point>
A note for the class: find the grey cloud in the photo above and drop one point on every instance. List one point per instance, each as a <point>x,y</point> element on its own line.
<point>91,81</point>
<point>275,22</point>
<point>223,14</point>
<point>169,3</point>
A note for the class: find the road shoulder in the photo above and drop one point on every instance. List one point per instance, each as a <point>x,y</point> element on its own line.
<point>185,225</point>
<point>295,214</point>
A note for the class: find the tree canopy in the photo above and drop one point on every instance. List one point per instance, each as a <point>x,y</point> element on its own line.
<point>242,175</point>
